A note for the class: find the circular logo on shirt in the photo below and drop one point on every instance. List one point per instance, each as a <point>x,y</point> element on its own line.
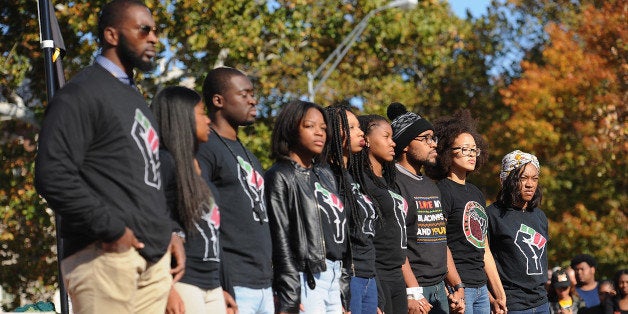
<point>475,224</point>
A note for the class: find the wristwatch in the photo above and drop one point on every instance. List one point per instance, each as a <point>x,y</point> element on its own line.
<point>458,286</point>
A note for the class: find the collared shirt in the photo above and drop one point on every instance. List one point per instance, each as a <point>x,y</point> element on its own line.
<point>114,70</point>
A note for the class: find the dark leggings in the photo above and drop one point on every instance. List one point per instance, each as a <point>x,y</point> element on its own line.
<point>395,297</point>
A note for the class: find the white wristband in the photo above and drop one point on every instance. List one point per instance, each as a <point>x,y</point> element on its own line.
<point>415,293</point>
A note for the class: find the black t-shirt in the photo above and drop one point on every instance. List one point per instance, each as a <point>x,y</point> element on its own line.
<point>518,242</point>
<point>362,233</point>
<point>426,227</point>
<point>244,231</point>
<point>202,246</point>
<point>390,234</point>
<point>467,224</point>
<point>333,216</point>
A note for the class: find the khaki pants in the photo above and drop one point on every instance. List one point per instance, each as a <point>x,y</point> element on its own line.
<point>100,282</point>
<point>200,301</point>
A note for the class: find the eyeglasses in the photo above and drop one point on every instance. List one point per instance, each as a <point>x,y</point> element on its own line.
<point>467,151</point>
<point>146,29</point>
<point>428,139</point>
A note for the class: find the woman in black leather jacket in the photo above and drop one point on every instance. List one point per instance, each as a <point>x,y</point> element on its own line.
<point>307,218</point>
<point>358,285</point>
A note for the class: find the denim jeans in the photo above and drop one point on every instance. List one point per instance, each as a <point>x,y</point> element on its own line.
<point>363,295</point>
<point>476,300</point>
<point>541,309</point>
<point>325,298</point>
<point>254,301</point>
<point>437,297</point>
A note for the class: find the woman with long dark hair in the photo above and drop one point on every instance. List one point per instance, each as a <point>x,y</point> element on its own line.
<point>462,151</point>
<point>307,218</point>
<point>518,233</point>
<point>345,142</point>
<point>376,169</point>
<point>183,123</point>
<point>619,302</point>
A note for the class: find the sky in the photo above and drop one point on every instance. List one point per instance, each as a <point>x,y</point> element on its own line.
<point>477,7</point>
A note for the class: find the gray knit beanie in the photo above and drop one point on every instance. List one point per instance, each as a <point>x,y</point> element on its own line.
<point>406,125</point>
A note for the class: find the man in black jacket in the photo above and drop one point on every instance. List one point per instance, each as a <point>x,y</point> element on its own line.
<point>98,168</point>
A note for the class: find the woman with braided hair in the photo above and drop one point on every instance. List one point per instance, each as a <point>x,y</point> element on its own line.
<point>376,169</point>
<point>345,142</point>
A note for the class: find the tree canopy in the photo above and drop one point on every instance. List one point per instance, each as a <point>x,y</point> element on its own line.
<point>565,101</point>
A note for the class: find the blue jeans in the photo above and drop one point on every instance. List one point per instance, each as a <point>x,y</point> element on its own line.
<point>254,301</point>
<point>325,298</point>
<point>476,301</point>
<point>541,309</point>
<point>363,295</point>
<point>437,297</point>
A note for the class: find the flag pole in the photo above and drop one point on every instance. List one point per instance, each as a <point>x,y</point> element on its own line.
<point>47,44</point>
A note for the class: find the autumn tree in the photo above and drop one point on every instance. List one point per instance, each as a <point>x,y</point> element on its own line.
<point>426,58</point>
<point>569,108</point>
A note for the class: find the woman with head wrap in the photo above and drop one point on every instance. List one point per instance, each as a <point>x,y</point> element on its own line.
<point>518,234</point>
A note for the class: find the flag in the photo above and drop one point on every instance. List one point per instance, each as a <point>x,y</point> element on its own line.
<point>50,35</point>
<point>54,51</point>
<point>59,46</point>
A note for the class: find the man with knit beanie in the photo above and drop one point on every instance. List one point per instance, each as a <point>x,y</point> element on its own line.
<point>426,268</point>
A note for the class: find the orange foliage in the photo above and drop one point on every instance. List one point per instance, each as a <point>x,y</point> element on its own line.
<point>570,110</point>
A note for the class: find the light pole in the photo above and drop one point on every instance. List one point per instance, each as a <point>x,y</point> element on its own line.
<point>346,44</point>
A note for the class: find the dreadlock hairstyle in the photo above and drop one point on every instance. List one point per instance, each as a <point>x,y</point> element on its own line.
<point>367,123</point>
<point>174,110</point>
<point>448,129</point>
<point>510,193</point>
<point>339,144</point>
<point>285,137</point>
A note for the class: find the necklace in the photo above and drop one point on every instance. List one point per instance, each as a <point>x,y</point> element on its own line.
<point>254,192</point>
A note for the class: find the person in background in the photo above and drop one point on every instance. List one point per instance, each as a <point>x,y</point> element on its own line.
<point>518,233</point>
<point>618,304</point>
<point>461,151</point>
<point>378,175</point>
<point>183,124</point>
<point>345,142</point>
<point>238,177</point>
<point>563,296</point>
<point>307,218</point>
<point>606,290</point>
<point>587,287</point>
<point>429,262</point>
<point>98,168</point>
<point>572,275</point>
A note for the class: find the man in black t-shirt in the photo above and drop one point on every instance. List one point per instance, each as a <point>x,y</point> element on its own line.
<point>238,177</point>
<point>426,267</point>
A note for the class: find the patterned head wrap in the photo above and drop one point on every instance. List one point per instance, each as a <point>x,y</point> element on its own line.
<point>514,160</point>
